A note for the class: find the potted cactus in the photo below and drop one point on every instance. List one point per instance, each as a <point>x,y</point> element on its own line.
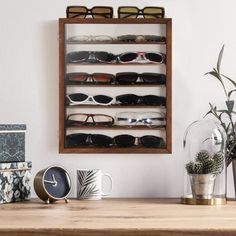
<point>203,171</point>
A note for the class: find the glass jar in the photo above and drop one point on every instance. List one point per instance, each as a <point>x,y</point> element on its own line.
<point>204,163</point>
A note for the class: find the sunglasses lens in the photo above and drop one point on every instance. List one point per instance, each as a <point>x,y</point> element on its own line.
<point>78,97</point>
<point>152,141</point>
<point>153,12</point>
<point>103,119</point>
<point>127,99</point>
<point>102,99</point>
<point>75,140</point>
<point>76,12</point>
<point>153,118</point>
<point>128,57</point>
<point>124,140</point>
<point>154,57</point>
<point>105,56</point>
<point>127,38</point>
<point>103,78</point>
<point>102,12</point>
<point>128,12</point>
<point>154,100</point>
<point>154,78</point>
<point>77,119</point>
<point>154,38</point>
<point>101,140</point>
<point>126,118</point>
<point>126,78</point>
<point>75,57</point>
<point>77,77</point>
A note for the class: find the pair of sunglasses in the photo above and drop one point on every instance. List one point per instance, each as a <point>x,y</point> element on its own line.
<point>137,118</point>
<point>124,140</point>
<point>141,38</point>
<point>84,12</point>
<point>146,12</point>
<point>152,100</point>
<point>83,119</point>
<point>144,78</point>
<point>90,38</point>
<point>142,57</point>
<point>82,77</point>
<point>119,78</point>
<point>81,98</point>
<point>91,57</point>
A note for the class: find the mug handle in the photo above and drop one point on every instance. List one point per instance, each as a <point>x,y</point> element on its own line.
<point>110,178</point>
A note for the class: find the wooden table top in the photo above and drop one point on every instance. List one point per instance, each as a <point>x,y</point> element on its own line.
<point>128,217</point>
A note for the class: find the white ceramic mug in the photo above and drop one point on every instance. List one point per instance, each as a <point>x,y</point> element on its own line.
<point>89,184</point>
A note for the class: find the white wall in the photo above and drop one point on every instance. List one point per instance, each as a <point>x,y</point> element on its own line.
<point>29,85</point>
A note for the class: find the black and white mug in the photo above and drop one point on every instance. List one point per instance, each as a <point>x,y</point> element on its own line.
<point>89,184</point>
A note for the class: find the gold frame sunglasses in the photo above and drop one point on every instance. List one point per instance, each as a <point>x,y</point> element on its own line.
<point>146,12</point>
<point>83,12</point>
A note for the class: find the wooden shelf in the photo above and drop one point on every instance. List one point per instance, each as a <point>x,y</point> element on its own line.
<point>115,127</point>
<point>113,85</point>
<point>114,42</point>
<point>164,27</point>
<point>115,64</point>
<point>114,106</point>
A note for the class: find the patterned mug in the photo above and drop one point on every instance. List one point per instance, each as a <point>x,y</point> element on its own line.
<point>89,184</point>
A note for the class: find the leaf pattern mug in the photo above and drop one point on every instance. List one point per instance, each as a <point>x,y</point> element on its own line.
<point>89,184</point>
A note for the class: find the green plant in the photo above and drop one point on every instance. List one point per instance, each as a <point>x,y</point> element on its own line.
<point>225,116</point>
<point>205,164</point>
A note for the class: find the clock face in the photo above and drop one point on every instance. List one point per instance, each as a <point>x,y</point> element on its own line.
<point>57,182</point>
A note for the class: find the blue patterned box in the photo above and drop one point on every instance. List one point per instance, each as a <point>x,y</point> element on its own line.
<point>15,181</point>
<point>12,143</point>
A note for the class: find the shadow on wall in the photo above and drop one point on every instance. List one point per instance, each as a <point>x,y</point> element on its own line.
<point>50,83</point>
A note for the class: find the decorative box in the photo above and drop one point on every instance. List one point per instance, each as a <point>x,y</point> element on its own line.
<point>15,181</point>
<point>12,143</point>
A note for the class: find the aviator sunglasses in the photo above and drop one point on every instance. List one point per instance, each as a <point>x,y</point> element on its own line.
<point>146,12</point>
<point>124,140</point>
<point>81,98</point>
<point>83,119</point>
<point>83,12</point>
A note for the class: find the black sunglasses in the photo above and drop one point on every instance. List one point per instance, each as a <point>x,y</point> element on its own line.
<point>83,12</point>
<point>146,12</point>
<point>144,78</point>
<point>153,100</point>
<point>124,140</point>
<point>81,139</point>
<point>142,57</point>
<point>91,57</point>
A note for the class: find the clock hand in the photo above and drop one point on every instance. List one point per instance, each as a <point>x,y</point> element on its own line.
<point>50,182</point>
<point>55,182</point>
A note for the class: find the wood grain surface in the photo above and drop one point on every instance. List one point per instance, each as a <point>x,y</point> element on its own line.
<point>117,217</point>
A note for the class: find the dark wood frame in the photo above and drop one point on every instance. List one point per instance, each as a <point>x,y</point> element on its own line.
<point>62,87</point>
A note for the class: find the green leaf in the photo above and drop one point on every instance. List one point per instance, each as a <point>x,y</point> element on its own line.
<point>230,92</point>
<point>220,58</point>
<point>230,105</point>
<point>216,75</point>
<point>232,81</point>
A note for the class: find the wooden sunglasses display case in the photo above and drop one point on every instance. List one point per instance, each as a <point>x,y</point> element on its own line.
<point>93,30</point>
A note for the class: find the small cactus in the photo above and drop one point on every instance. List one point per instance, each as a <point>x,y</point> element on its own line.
<point>219,162</point>
<point>205,164</point>
<point>202,156</point>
